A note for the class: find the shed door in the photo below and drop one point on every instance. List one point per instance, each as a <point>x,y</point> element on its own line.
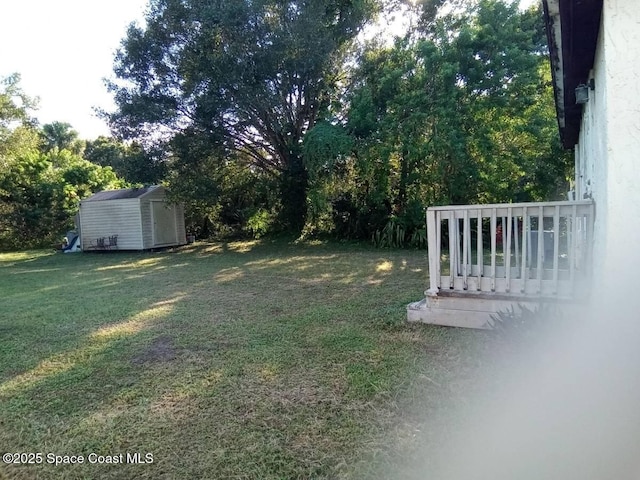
<point>163,217</point>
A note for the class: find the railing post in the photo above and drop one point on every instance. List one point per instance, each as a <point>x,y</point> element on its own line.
<point>453,239</point>
<point>523,262</point>
<point>589,240</point>
<point>540,254</point>
<point>465,247</point>
<point>503,227</point>
<point>556,247</point>
<point>433,246</point>
<point>507,249</point>
<point>480,251</point>
<point>573,247</point>
<point>438,258</point>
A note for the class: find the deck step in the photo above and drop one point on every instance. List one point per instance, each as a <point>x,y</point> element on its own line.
<point>473,310</point>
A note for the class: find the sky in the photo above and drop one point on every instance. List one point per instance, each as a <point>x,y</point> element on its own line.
<point>63,50</point>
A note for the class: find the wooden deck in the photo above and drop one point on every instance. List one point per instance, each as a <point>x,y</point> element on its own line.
<point>485,258</point>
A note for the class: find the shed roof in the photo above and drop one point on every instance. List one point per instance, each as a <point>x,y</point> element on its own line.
<point>572,30</point>
<point>120,194</point>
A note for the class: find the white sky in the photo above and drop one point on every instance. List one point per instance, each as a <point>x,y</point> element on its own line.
<point>63,49</point>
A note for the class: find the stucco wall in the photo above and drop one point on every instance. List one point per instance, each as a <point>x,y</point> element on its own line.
<point>591,152</point>
<point>608,152</point>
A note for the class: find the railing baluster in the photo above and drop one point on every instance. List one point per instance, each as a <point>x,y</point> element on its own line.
<point>470,249</point>
<point>465,247</point>
<point>540,254</point>
<point>503,227</point>
<point>458,248</point>
<point>452,247</point>
<point>556,247</point>
<point>480,252</point>
<point>507,249</point>
<point>493,249</point>
<point>517,243</point>
<point>523,262</point>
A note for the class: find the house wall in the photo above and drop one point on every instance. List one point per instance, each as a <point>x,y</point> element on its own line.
<point>111,217</point>
<point>608,152</point>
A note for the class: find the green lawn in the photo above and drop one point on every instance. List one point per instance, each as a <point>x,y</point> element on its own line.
<point>240,360</point>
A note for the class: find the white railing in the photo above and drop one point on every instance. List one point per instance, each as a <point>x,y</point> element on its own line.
<point>529,249</point>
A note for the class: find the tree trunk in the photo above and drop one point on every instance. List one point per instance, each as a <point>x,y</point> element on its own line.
<point>293,195</point>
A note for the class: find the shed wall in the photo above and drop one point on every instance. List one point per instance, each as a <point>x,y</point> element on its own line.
<point>147,225</point>
<point>147,219</point>
<point>111,217</point>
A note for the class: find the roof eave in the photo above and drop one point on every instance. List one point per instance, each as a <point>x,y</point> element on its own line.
<point>572,31</point>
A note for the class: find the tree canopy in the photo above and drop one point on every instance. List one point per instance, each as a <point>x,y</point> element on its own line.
<point>266,115</point>
<point>60,136</point>
<point>458,110</point>
<point>42,173</point>
<point>240,79</point>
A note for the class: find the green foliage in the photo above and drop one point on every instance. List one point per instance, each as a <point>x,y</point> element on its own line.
<point>351,144</point>
<point>261,117</point>
<point>325,145</point>
<point>242,79</point>
<point>442,103</point>
<point>39,195</point>
<point>395,234</point>
<point>260,223</point>
<point>15,105</point>
<point>219,197</point>
<point>391,236</point>
<point>18,135</point>
<point>326,150</point>
<point>130,161</point>
<point>459,111</point>
<point>526,324</point>
<point>60,136</point>
<point>42,175</point>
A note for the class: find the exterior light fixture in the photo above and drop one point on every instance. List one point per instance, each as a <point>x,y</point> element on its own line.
<point>582,92</point>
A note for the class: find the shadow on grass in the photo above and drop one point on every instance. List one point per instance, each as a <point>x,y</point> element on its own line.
<point>260,360</point>
<point>89,299</point>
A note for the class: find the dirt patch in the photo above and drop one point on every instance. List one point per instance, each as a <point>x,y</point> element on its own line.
<point>161,350</point>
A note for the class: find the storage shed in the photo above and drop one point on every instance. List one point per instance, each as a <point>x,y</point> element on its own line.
<point>131,219</point>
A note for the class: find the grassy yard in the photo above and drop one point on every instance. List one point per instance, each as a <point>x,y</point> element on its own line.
<point>240,360</point>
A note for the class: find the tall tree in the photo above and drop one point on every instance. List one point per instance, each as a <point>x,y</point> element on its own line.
<point>459,111</point>
<point>62,136</point>
<point>18,134</point>
<point>238,79</point>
